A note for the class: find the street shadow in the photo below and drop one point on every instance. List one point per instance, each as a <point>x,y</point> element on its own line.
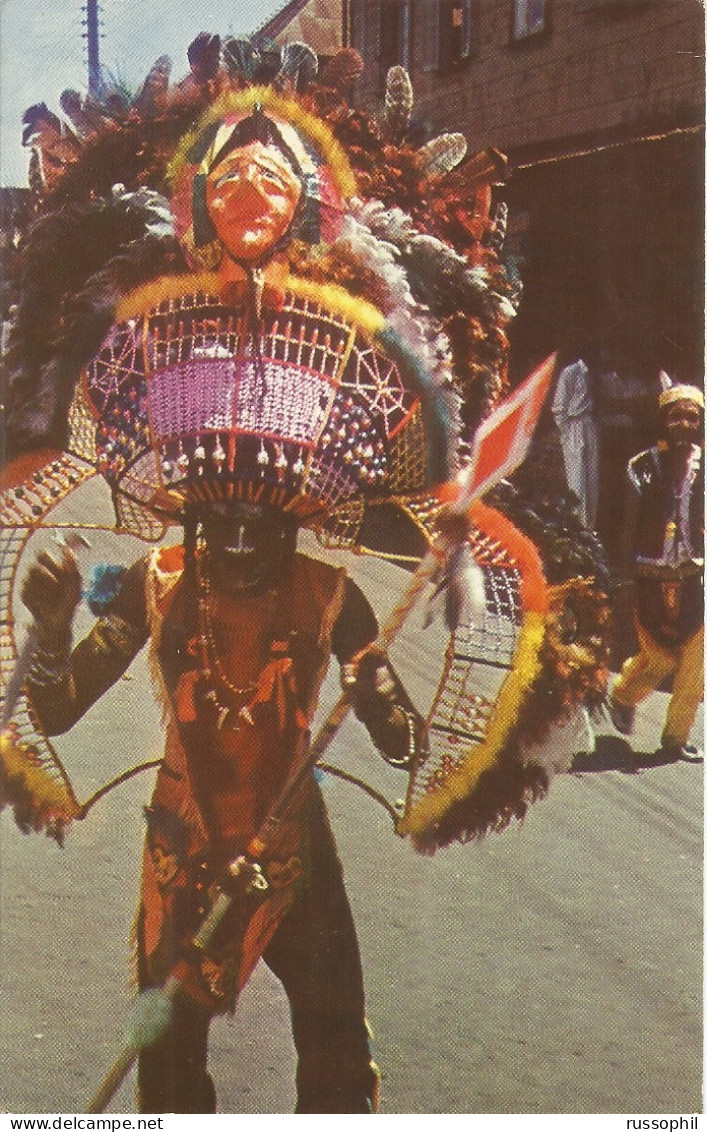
<point>614,753</point>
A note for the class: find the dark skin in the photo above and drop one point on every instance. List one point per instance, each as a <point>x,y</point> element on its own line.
<point>248,550</point>
<point>683,427</point>
<point>314,954</point>
<point>237,547</point>
<point>51,591</point>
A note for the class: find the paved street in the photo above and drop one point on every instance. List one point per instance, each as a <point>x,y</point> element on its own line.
<point>556,967</point>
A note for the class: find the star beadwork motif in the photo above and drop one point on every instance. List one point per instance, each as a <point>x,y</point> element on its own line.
<point>116,363</point>
<point>377,378</point>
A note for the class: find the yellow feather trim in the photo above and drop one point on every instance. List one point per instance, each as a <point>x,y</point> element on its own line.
<point>337,299</point>
<point>49,795</point>
<point>314,129</point>
<point>328,295</point>
<point>460,783</point>
<point>157,291</point>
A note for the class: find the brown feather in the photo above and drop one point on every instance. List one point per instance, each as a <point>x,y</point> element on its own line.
<point>153,95</point>
<point>342,70</point>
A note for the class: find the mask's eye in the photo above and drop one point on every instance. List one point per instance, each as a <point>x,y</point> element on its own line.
<point>231,175</point>
<point>271,179</point>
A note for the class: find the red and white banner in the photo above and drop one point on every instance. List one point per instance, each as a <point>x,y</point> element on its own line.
<point>501,441</point>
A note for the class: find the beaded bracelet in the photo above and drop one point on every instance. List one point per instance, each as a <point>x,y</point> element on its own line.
<point>47,669</point>
<point>407,759</point>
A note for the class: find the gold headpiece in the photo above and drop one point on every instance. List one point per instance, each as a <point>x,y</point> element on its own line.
<point>672,393</point>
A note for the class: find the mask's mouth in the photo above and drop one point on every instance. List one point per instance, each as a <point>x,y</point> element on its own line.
<point>240,547</point>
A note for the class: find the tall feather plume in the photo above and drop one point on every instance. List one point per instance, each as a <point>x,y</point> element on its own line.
<point>412,323</point>
<point>153,95</point>
<point>76,264</point>
<point>453,291</point>
<point>398,105</point>
<point>298,68</point>
<point>36,117</point>
<point>438,276</point>
<point>440,155</point>
<point>666,382</point>
<point>444,279</point>
<point>205,80</point>
<point>55,147</point>
<point>204,56</point>
<point>84,115</point>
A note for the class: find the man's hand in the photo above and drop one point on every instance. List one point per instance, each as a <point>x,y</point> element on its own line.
<point>369,681</point>
<point>51,591</point>
<point>381,703</point>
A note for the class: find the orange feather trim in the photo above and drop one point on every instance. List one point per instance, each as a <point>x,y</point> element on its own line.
<point>534,589</point>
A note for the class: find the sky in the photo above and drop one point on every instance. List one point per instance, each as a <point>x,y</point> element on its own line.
<point>42,51</point>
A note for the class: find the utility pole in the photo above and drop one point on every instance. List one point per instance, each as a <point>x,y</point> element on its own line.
<point>91,35</point>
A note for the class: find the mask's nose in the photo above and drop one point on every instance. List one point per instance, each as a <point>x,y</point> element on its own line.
<point>246,192</point>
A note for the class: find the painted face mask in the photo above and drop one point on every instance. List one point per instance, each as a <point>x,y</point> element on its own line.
<point>260,174</point>
<point>253,542</point>
<point>251,199</point>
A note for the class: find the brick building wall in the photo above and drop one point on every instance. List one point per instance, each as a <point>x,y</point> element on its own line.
<point>598,67</point>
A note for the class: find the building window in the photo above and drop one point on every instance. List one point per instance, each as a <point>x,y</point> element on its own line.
<point>530,18</point>
<point>456,30</point>
<point>394,35</point>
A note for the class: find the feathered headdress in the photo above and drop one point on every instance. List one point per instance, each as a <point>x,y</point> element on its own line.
<point>433,221</point>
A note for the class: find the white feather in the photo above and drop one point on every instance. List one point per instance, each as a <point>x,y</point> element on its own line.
<point>567,737</point>
<point>440,155</point>
<point>460,591</point>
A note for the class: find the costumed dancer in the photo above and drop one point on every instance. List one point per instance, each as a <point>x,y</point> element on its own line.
<point>664,552</point>
<point>241,630</point>
<point>305,336</point>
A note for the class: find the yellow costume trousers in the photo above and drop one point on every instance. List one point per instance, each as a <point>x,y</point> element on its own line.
<point>643,673</point>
